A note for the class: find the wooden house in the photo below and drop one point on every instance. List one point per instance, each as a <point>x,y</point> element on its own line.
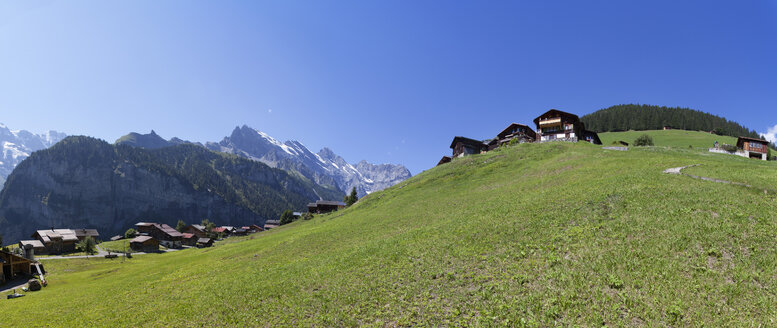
<point>465,146</point>
<point>57,241</point>
<point>197,230</point>
<point>255,228</point>
<point>14,265</point>
<point>189,239</point>
<point>523,134</point>
<point>145,244</point>
<point>325,206</point>
<point>204,242</point>
<point>753,148</point>
<point>240,232</point>
<point>144,227</point>
<point>558,125</point>
<point>270,224</point>
<point>445,159</point>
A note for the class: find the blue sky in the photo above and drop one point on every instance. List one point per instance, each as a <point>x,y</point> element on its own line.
<point>385,81</point>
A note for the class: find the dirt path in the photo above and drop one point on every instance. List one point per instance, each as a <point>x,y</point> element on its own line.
<point>678,170</point>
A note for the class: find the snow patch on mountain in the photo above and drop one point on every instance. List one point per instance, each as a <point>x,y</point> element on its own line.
<point>19,144</point>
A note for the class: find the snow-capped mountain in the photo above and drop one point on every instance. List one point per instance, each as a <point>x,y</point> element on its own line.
<point>19,144</point>
<point>325,167</point>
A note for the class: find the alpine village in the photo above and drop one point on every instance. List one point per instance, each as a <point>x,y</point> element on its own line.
<point>388,164</point>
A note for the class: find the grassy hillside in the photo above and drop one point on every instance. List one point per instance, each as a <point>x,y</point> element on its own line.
<point>533,235</point>
<point>669,138</point>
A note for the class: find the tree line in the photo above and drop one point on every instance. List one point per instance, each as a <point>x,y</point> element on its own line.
<point>651,117</point>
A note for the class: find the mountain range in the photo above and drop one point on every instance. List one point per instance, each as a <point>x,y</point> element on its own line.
<point>325,168</point>
<point>87,182</point>
<point>16,145</point>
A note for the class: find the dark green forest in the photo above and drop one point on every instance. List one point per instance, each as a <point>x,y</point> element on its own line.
<point>650,117</point>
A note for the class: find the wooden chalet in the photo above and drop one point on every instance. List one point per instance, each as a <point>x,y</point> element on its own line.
<point>753,148</point>
<point>255,228</point>
<point>558,125</point>
<point>83,233</point>
<point>197,230</point>
<point>145,244</point>
<point>204,242</point>
<point>240,232</point>
<point>514,131</point>
<point>144,227</point>
<point>189,239</point>
<point>325,206</point>
<point>270,224</point>
<point>445,159</point>
<point>14,265</point>
<point>465,146</point>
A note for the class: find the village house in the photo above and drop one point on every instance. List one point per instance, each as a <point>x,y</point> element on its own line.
<point>165,234</point>
<point>146,244</point>
<point>465,146</point>
<point>253,228</point>
<point>522,133</point>
<point>753,148</point>
<point>197,230</point>
<point>558,125</point>
<point>83,233</point>
<point>189,239</point>
<point>325,206</point>
<point>204,242</point>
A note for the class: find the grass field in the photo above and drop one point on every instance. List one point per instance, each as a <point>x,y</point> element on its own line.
<point>669,138</point>
<point>531,235</point>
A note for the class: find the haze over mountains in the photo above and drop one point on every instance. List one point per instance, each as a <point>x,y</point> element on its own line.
<point>324,168</point>
<point>16,145</point>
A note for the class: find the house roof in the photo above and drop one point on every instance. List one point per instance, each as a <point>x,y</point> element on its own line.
<point>167,230</point>
<point>33,243</point>
<point>203,240</point>
<point>218,229</point>
<point>466,140</point>
<point>16,258</point>
<point>52,234</point>
<point>555,112</point>
<point>507,130</point>
<point>116,237</point>
<point>141,239</point>
<point>311,204</point>
<point>329,202</point>
<point>87,232</point>
<point>187,235</point>
<point>752,139</point>
<point>197,227</point>
<point>143,224</point>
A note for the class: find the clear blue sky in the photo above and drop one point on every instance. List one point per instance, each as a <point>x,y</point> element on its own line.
<point>385,81</point>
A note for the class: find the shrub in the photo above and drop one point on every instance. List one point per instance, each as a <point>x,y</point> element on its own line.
<point>307,216</point>
<point>614,281</point>
<point>88,245</point>
<point>130,233</point>
<point>643,140</point>
<point>287,217</point>
<point>729,148</point>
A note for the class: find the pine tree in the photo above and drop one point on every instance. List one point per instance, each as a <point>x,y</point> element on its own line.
<point>352,198</point>
<point>180,226</point>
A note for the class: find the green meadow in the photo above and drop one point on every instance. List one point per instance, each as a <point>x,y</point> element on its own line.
<point>669,138</point>
<point>532,235</point>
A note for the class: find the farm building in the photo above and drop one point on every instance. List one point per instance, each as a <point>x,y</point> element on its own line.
<point>558,125</point>
<point>13,266</point>
<point>465,146</point>
<point>189,239</point>
<point>325,206</point>
<point>35,245</point>
<point>83,233</point>
<point>514,131</point>
<point>145,244</point>
<point>204,242</point>
<point>144,227</point>
<point>753,148</point>
<point>270,224</point>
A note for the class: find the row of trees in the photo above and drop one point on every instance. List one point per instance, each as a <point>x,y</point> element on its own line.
<point>650,117</point>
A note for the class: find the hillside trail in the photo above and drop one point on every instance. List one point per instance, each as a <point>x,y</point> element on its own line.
<point>678,170</point>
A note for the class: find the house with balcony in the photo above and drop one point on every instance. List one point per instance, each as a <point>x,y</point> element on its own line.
<point>556,125</point>
<point>753,148</point>
<point>523,134</point>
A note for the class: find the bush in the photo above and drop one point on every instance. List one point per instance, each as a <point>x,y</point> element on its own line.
<point>729,148</point>
<point>287,217</point>
<point>130,233</point>
<point>643,140</point>
<point>87,245</point>
<point>307,216</point>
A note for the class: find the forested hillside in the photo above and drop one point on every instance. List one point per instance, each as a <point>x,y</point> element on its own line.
<point>650,117</point>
